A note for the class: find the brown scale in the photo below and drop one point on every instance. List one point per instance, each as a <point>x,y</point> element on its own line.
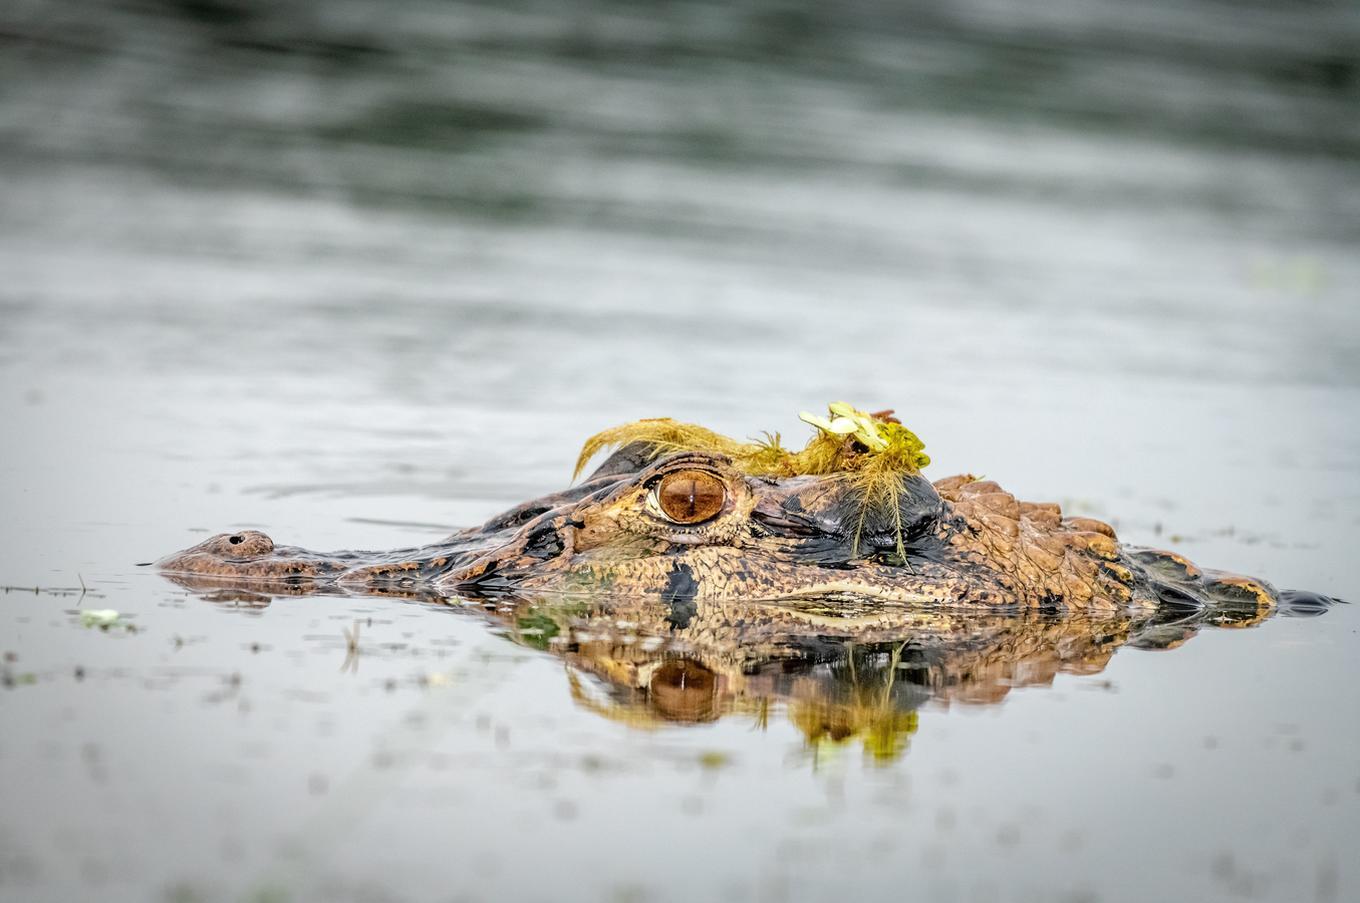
<point>1080,561</point>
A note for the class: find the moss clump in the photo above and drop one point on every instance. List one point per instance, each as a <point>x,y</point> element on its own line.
<point>875,450</point>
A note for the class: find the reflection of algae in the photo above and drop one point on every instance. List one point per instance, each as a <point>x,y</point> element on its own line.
<point>885,733</point>
<point>538,624</point>
<point>536,629</point>
<point>868,711</point>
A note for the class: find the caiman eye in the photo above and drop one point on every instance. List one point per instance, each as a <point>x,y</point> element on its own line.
<point>689,496</point>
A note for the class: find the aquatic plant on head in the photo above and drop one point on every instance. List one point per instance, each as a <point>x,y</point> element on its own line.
<point>874,449</point>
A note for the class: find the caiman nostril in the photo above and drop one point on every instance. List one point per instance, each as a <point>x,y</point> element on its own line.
<point>246,544</point>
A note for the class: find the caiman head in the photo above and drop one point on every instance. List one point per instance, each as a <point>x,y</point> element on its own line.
<point>680,515</point>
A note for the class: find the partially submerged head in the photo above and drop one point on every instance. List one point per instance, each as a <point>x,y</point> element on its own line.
<point>680,514</point>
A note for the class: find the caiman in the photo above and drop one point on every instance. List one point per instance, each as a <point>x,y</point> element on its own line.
<point>696,575</point>
<point>849,523</point>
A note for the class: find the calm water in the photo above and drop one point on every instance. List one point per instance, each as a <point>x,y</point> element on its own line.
<point>360,273</point>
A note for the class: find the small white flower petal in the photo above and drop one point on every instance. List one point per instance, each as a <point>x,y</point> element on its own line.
<point>842,409</point>
<point>820,423</point>
<point>842,426</point>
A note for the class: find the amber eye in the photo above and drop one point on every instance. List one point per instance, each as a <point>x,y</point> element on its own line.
<point>690,496</point>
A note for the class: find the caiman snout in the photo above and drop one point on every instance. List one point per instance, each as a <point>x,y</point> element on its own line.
<point>251,557</point>
<point>240,546</point>
<point>246,544</point>
<point>248,554</point>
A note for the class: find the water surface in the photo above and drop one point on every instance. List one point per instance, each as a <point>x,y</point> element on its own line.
<point>359,274</point>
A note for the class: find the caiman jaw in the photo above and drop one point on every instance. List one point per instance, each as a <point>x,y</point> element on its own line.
<point>250,556</point>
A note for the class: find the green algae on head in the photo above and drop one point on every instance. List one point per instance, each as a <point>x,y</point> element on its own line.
<point>847,441</point>
<point>880,432</point>
<point>874,449</point>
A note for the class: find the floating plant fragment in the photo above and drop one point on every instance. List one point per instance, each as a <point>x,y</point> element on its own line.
<point>105,619</point>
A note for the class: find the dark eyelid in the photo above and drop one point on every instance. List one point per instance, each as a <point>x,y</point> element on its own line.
<point>654,478</point>
<point>714,464</point>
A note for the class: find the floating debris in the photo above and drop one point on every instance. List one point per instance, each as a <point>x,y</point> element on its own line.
<point>105,619</point>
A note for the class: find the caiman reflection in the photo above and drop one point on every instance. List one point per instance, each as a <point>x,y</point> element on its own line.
<point>698,576</point>
<point>842,675</point>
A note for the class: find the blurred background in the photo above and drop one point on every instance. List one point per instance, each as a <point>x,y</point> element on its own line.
<point>487,219</point>
<point>359,271</point>
<point>416,251</point>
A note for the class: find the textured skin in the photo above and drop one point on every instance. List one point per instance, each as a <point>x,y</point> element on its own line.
<point>968,543</point>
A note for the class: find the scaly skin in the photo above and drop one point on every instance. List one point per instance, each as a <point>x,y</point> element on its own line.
<point>968,543</point>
